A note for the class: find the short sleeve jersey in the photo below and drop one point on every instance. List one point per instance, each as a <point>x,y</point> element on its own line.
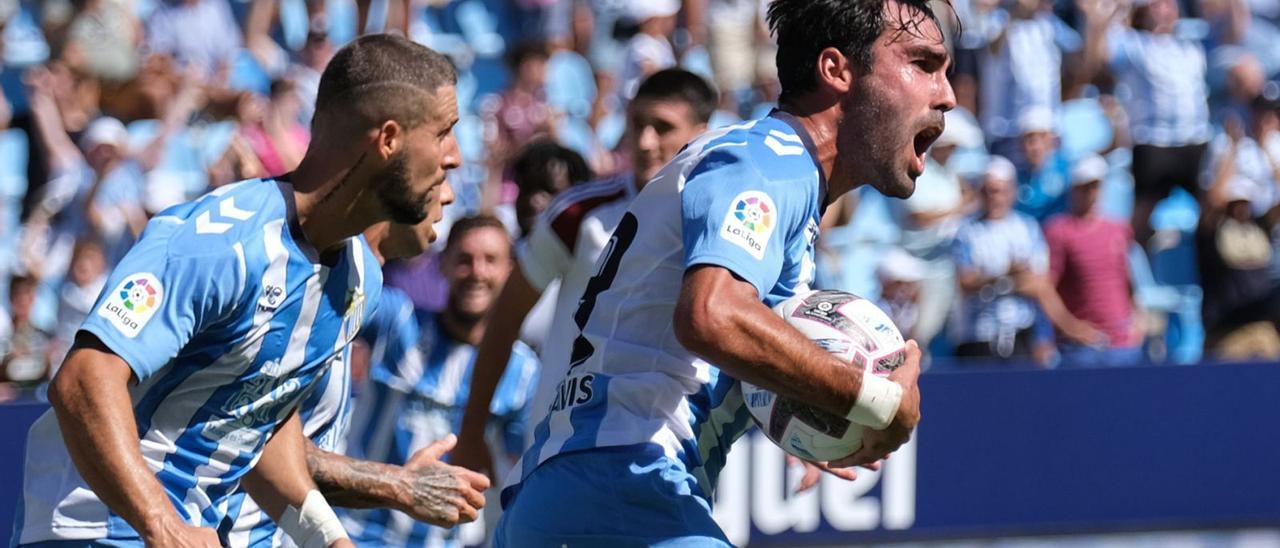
<point>227,318</point>
<point>747,198</point>
<point>325,414</point>
<point>564,245</point>
<point>419,381</point>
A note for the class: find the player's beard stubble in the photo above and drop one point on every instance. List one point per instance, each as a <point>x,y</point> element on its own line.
<point>881,140</point>
<point>395,192</point>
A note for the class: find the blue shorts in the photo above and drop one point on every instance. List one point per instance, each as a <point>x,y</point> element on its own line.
<point>610,497</point>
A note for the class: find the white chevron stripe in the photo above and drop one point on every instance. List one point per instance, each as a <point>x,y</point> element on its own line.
<point>781,149</point>
<point>228,209</point>
<point>206,225</point>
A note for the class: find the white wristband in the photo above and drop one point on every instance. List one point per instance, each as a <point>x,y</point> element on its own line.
<point>315,526</point>
<point>877,404</point>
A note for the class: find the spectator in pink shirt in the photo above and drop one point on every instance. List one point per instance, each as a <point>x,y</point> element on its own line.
<point>1088,263</point>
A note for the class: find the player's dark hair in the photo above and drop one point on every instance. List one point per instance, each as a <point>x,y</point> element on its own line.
<point>541,164</point>
<point>804,28</point>
<point>380,77</point>
<point>465,225</point>
<point>21,281</point>
<point>675,84</point>
<point>524,51</point>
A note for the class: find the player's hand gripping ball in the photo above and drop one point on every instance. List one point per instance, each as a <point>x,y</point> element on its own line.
<point>854,330</point>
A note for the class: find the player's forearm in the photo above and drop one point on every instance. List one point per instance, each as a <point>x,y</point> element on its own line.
<point>281,485</point>
<point>280,478</point>
<point>352,483</point>
<point>91,400</point>
<point>723,321</point>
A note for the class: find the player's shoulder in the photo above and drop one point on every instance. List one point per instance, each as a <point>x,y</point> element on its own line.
<point>768,149</point>
<point>577,202</point>
<point>524,354</point>
<point>570,209</point>
<point>215,222</point>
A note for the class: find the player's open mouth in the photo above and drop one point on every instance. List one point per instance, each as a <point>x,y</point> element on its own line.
<point>922,142</point>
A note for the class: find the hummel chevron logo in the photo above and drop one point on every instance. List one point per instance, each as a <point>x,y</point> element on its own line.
<point>775,142</point>
<point>205,223</point>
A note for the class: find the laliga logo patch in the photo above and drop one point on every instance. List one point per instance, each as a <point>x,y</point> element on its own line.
<point>750,222</point>
<point>132,304</point>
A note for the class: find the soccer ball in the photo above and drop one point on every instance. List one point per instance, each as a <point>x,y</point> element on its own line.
<point>854,330</point>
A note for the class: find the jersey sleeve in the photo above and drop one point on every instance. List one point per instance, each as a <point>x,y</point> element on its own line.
<point>542,255</point>
<point>392,336</point>
<point>160,295</point>
<point>734,217</point>
<point>511,407</point>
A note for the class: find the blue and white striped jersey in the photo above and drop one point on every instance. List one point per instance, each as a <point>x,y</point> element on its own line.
<point>325,414</point>
<point>1021,64</point>
<point>419,381</point>
<point>747,198</point>
<point>1160,79</point>
<point>227,317</point>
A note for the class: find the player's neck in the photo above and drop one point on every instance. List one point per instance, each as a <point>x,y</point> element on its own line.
<point>462,329</point>
<point>821,126</point>
<point>332,197</point>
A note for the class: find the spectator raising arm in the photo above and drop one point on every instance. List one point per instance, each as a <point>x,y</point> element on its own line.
<point>52,134</point>
<point>1099,16</point>
<point>176,115</point>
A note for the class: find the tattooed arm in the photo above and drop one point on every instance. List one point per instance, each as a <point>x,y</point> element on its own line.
<point>425,488</point>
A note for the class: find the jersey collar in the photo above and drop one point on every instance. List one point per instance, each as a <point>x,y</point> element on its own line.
<point>796,126</point>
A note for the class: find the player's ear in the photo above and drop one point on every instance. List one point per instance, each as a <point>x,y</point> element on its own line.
<point>391,137</point>
<point>835,72</point>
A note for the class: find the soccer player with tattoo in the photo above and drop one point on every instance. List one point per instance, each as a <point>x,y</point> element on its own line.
<point>227,312</point>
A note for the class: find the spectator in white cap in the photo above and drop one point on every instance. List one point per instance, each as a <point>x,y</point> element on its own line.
<point>1241,302</point>
<point>1043,171</point>
<point>94,190</point>
<point>1002,268</point>
<point>1089,268</point>
<point>649,51</point>
<point>901,275</point>
<point>928,221</point>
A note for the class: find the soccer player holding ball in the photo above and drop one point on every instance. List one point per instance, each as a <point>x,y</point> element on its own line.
<point>641,424</point>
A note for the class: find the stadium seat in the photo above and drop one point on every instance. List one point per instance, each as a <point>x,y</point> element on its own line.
<point>1178,305</point>
<point>184,159</point>
<point>1083,128</point>
<point>480,28</point>
<point>248,75</point>
<point>470,135</point>
<point>576,134</point>
<point>1117,189</point>
<point>13,186</point>
<point>571,86</point>
<point>24,44</point>
<point>1179,212</point>
<point>1173,266</point>
<point>698,61</point>
<point>295,23</point>
<point>850,253</point>
<point>611,129</point>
